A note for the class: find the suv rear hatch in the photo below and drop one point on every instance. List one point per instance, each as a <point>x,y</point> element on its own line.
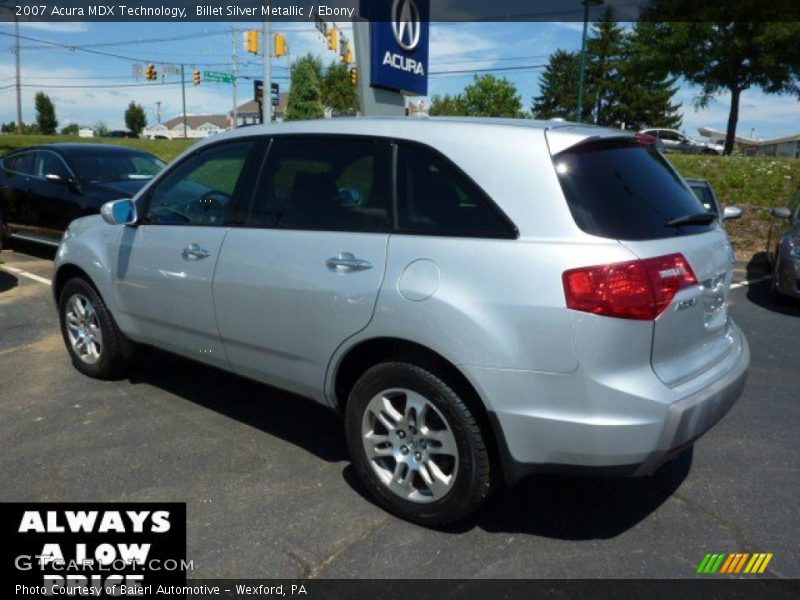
<point>618,187</point>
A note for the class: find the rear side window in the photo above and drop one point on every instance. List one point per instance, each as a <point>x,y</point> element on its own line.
<point>19,163</point>
<point>325,183</point>
<point>624,190</point>
<point>434,197</point>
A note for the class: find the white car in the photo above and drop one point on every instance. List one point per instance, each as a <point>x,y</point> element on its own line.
<point>675,141</point>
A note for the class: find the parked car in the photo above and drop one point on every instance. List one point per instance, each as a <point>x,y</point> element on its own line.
<point>120,133</point>
<point>479,299</point>
<point>43,188</point>
<point>783,248</point>
<point>675,141</point>
<point>705,193</point>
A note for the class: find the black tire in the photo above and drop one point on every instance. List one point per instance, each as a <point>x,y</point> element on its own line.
<point>473,476</point>
<point>773,282</point>
<point>5,240</point>
<point>116,350</point>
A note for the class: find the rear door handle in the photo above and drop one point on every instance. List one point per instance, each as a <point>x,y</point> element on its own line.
<point>195,252</point>
<point>347,263</point>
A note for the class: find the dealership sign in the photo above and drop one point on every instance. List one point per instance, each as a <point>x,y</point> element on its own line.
<point>399,45</point>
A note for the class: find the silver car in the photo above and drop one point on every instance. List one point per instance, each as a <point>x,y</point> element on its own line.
<point>675,141</point>
<point>479,299</point>
<point>783,249</point>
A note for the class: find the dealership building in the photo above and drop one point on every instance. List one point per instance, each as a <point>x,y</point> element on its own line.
<point>781,147</point>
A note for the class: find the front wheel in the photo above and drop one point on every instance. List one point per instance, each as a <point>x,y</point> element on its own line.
<point>95,344</point>
<point>416,445</point>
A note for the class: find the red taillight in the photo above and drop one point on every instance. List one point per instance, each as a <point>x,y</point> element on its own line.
<point>637,289</point>
<point>645,138</point>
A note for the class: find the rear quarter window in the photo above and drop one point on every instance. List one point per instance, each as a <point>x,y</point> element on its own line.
<point>625,190</point>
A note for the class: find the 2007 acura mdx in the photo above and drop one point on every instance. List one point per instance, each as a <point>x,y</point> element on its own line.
<point>480,299</point>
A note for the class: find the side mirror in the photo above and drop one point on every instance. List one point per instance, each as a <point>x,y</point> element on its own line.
<point>731,212</point>
<point>781,212</point>
<point>119,212</point>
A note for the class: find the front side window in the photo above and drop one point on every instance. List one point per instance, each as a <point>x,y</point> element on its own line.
<point>434,197</point>
<point>48,163</point>
<point>200,190</point>
<point>324,183</point>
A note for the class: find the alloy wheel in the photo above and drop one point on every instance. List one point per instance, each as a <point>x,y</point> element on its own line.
<point>410,445</point>
<point>83,329</point>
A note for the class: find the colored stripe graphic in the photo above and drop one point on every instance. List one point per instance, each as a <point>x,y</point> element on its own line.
<point>735,563</point>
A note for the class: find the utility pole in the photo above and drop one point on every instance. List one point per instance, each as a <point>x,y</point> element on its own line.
<point>19,86</point>
<point>234,31</point>
<point>183,99</point>
<point>266,104</point>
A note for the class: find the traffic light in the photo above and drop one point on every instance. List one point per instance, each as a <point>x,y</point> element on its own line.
<point>333,39</point>
<point>281,48</point>
<point>348,54</point>
<point>251,41</point>
<point>150,73</point>
<point>354,76</point>
<point>196,77</point>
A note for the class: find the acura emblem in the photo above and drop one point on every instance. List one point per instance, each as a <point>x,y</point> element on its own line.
<point>406,24</point>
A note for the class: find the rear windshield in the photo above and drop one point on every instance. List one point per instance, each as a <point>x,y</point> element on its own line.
<point>625,190</point>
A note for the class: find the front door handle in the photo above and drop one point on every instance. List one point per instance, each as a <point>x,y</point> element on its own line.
<point>347,263</point>
<point>194,252</point>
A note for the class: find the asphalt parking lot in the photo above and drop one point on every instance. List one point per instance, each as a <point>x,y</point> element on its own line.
<point>270,493</point>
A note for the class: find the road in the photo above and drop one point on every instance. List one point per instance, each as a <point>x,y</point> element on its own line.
<point>270,493</point>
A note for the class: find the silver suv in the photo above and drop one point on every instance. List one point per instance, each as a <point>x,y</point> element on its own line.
<point>479,299</point>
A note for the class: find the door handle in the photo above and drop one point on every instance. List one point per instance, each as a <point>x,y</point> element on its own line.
<point>347,263</point>
<point>194,252</point>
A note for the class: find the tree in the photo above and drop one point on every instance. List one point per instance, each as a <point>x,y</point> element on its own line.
<point>337,91</point>
<point>723,49</point>
<point>100,129</point>
<point>135,118</point>
<point>45,114</point>
<point>620,89</point>
<point>305,94</point>
<point>71,129</point>
<point>486,96</point>
<point>558,87</point>
<point>490,96</point>
<point>447,106</point>
<point>10,127</point>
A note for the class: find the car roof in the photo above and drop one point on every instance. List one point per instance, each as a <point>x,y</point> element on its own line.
<point>561,134</point>
<point>78,148</point>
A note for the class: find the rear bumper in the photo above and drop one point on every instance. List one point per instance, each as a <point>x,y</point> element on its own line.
<point>617,426</point>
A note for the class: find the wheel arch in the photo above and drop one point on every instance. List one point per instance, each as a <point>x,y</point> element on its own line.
<point>66,272</point>
<point>370,352</point>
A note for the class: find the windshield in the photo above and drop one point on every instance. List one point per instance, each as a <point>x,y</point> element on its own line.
<point>115,166</point>
<point>625,190</point>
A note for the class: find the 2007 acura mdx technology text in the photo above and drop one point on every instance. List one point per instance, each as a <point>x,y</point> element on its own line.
<point>480,299</point>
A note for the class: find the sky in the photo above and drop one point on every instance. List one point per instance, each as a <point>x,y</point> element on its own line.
<point>462,47</point>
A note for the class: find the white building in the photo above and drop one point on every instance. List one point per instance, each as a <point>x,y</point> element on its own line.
<point>787,146</point>
<point>197,126</point>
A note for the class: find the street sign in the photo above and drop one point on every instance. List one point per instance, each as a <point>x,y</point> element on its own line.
<point>218,76</point>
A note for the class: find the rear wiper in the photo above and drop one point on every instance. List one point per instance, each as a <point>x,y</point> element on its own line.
<point>703,218</point>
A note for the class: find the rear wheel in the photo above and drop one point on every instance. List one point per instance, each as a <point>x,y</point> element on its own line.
<point>416,445</point>
<point>95,344</point>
